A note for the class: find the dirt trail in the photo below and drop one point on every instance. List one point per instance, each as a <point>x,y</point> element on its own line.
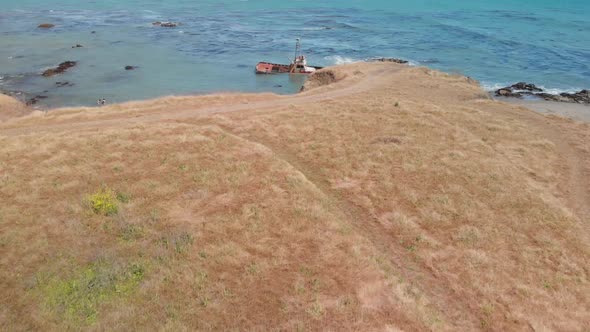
<point>576,167</point>
<point>441,292</point>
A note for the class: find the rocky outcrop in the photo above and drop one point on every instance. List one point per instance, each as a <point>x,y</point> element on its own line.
<point>394,60</point>
<point>507,92</point>
<point>46,26</point>
<point>522,89</point>
<point>59,69</point>
<point>322,77</point>
<point>523,86</point>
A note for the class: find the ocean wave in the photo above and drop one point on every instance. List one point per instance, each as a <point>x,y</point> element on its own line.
<point>315,28</point>
<point>339,60</point>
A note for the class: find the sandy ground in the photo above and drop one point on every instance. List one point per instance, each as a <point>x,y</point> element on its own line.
<point>573,111</point>
<point>383,197</point>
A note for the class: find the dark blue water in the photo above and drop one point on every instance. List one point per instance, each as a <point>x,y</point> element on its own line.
<point>219,42</point>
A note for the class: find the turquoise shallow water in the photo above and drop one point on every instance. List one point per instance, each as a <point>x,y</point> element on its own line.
<point>497,42</point>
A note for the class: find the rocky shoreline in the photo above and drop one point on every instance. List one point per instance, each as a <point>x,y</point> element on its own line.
<point>523,89</point>
<point>519,90</point>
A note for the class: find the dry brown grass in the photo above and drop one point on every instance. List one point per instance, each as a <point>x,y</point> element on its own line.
<point>10,107</point>
<point>396,198</point>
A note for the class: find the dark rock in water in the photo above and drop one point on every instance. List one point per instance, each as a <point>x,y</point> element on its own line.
<point>46,26</point>
<point>521,89</point>
<point>507,92</point>
<point>59,69</point>
<point>130,67</point>
<point>394,60</point>
<point>526,87</point>
<point>62,84</point>
<point>77,46</point>
<point>580,97</point>
<point>93,31</point>
<point>165,24</point>
<point>35,100</point>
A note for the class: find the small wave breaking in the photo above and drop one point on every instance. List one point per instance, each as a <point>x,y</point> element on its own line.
<point>339,60</point>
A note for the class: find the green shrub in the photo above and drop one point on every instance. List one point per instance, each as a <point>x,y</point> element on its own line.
<point>78,298</point>
<point>104,202</point>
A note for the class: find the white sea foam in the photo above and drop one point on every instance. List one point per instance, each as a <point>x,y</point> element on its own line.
<point>339,60</point>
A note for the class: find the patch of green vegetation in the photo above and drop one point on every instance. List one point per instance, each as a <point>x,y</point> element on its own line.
<point>252,269</point>
<point>131,232</point>
<point>123,197</point>
<point>201,280</point>
<point>316,310</point>
<point>77,299</point>
<point>154,215</point>
<point>104,202</point>
<point>179,242</point>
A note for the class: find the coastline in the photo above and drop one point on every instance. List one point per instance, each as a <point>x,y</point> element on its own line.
<point>11,106</point>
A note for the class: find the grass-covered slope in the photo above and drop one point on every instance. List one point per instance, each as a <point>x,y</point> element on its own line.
<point>386,197</point>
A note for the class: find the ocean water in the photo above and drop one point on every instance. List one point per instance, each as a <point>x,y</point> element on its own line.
<point>220,41</point>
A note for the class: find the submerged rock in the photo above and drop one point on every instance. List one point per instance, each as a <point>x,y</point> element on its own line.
<point>35,100</point>
<point>62,84</point>
<point>59,69</point>
<point>522,89</point>
<point>46,26</point>
<point>166,24</point>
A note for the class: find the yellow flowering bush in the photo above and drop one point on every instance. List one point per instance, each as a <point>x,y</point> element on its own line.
<point>104,202</point>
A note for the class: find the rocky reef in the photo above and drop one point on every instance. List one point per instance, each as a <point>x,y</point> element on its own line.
<point>62,67</point>
<point>394,60</point>
<point>522,89</point>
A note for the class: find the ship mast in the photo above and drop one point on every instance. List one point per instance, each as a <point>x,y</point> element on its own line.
<point>297,52</point>
<point>297,47</point>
